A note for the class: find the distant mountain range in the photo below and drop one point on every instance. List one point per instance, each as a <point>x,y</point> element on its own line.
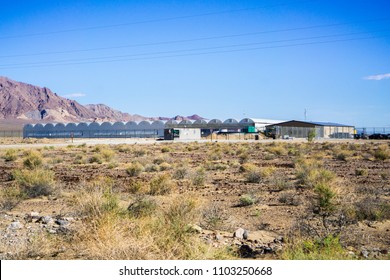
<point>21,101</point>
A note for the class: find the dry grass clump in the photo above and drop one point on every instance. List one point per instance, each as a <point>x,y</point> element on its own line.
<point>10,155</point>
<point>213,217</point>
<point>198,178</point>
<point>328,248</point>
<point>254,174</point>
<point>277,149</point>
<point>372,209</point>
<point>310,173</point>
<point>382,153</point>
<point>10,196</point>
<point>146,232</point>
<point>36,182</point>
<point>135,169</point>
<point>96,199</point>
<point>161,184</point>
<point>181,173</point>
<point>142,206</point>
<point>32,159</point>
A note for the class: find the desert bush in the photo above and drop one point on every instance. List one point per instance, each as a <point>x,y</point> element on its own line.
<point>36,182</point>
<point>361,172</point>
<point>161,184</point>
<point>79,159</point>
<point>135,169</point>
<point>289,198</point>
<point>247,200</point>
<point>213,217</point>
<point>165,166</point>
<point>107,154</point>
<point>212,165</point>
<point>96,159</point>
<point>139,152</point>
<point>372,209</point>
<point>97,199</point>
<point>165,149</point>
<point>134,187</point>
<point>142,206</point>
<point>33,159</point>
<point>252,173</point>
<point>10,196</point>
<point>152,168</point>
<point>343,155</point>
<point>309,173</point>
<point>123,148</point>
<point>198,178</point>
<point>180,213</point>
<point>181,173</point>
<point>10,155</point>
<point>381,154</point>
<point>278,150</point>
<point>311,135</point>
<point>325,196</point>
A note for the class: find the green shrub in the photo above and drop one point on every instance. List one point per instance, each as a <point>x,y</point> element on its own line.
<point>247,200</point>
<point>33,159</point>
<point>135,169</point>
<point>325,196</point>
<point>36,182</point>
<point>311,135</point>
<point>328,248</point>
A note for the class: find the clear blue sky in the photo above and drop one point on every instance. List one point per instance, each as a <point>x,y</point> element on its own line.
<point>219,59</point>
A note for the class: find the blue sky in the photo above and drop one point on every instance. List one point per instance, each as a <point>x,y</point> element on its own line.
<point>218,59</point>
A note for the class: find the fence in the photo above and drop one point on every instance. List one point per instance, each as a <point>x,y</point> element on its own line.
<point>144,133</point>
<point>373,130</point>
<point>11,133</point>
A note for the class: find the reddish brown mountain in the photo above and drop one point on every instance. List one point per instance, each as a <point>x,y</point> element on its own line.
<point>23,101</point>
<point>28,103</point>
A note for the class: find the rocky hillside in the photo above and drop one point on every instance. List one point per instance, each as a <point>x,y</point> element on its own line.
<point>29,103</point>
<point>24,101</point>
<point>105,112</point>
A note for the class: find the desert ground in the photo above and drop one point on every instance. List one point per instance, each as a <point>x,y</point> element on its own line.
<point>147,199</point>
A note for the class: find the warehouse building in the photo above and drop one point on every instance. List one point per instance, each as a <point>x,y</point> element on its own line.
<point>301,129</point>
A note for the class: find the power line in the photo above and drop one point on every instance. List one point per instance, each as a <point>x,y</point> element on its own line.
<point>192,49</point>
<point>78,62</point>
<point>191,40</point>
<point>150,21</point>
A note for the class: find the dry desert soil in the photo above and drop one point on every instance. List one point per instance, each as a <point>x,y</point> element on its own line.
<point>209,200</point>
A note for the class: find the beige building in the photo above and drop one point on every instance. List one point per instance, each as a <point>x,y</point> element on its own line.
<point>301,129</point>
